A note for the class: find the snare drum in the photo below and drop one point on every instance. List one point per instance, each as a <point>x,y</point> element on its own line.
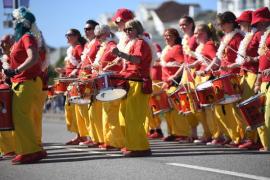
<point>227,88</point>
<point>80,92</point>
<point>206,94</point>
<point>6,123</point>
<point>159,103</point>
<point>61,84</point>
<point>106,88</point>
<point>253,110</point>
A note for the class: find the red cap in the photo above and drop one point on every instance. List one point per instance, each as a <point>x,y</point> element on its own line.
<point>260,15</point>
<point>246,16</point>
<point>123,14</point>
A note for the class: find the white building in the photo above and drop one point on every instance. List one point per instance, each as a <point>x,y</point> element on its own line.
<point>238,6</point>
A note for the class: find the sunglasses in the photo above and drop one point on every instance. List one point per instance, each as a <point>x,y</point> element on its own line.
<point>69,35</point>
<point>89,29</point>
<point>126,30</point>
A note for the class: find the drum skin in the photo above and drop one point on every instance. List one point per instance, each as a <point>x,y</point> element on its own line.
<point>253,110</point>
<point>6,123</point>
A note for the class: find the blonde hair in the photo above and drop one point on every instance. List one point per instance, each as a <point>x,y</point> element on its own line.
<point>136,25</point>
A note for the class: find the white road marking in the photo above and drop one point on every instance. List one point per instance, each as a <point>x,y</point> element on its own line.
<point>231,173</point>
<point>86,150</point>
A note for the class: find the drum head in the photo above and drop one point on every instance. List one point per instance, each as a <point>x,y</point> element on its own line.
<point>111,95</point>
<point>204,85</point>
<point>230,99</point>
<point>78,100</point>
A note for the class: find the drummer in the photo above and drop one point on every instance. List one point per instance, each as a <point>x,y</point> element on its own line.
<point>25,68</point>
<point>205,53</point>
<point>91,48</point>
<point>261,18</point>
<point>226,55</point>
<point>121,16</point>
<point>138,58</point>
<point>247,59</point>
<point>187,26</point>
<point>171,60</point>
<point>72,60</point>
<point>108,62</point>
<point>7,141</point>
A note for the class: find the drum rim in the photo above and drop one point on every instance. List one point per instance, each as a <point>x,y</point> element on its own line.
<point>250,99</point>
<point>223,76</point>
<point>211,85</point>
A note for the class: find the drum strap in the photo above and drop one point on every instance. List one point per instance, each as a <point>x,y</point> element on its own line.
<point>223,109</point>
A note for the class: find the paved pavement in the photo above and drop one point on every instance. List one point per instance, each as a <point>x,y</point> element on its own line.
<point>170,160</point>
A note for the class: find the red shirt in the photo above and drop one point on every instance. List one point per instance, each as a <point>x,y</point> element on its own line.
<point>108,56</point>
<point>192,43</point>
<point>252,51</point>
<point>264,61</point>
<point>18,56</point>
<point>90,57</point>
<point>229,56</point>
<point>141,50</point>
<point>76,53</point>
<point>173,54</point>
<point>209,51</point>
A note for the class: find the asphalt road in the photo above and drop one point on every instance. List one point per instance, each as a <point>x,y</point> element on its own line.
<point>170,160</point>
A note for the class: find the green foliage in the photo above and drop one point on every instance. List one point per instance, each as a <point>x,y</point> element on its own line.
<point>52,73</point>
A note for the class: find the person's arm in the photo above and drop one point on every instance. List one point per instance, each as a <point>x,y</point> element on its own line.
<point>32,58</point>
<point>128,57</point>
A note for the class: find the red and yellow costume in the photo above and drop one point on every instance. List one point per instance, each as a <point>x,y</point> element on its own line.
<point>136,104</point>
<point>171,59</point>
<point>228,114</point>
<point>264,64</point>
<point>27,88</point>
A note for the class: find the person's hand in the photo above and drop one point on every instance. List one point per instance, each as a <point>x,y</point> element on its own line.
<point>216,73</point>
<point>266,72</point>
<point>200,73</point>
<point>10,72</point>
<point>59,70</point>
<point>73,73</point>
<point>257,88</point>
<point>115,51</point>
<point>164,86</point>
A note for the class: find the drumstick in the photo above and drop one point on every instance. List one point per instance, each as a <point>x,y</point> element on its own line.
<point>157,84</point>
<point>236,51</point>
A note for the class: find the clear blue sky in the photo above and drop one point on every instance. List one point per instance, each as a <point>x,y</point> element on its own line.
<point>55,17</point>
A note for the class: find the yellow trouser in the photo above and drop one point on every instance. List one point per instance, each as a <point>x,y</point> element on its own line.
<point>264,131</point>
<point>71,117</point>
<point>191,118</point>
<point>229,118</point>
<point>7,142</point>
<point>135,115</point>
<point>82,118</point>
<point>215,127</point>
<point>177,123</point>
<point>112,131</point>
<point>95,116</point>
<point>247,85</point>
<point>26,97</point>
<point>38,115</point>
